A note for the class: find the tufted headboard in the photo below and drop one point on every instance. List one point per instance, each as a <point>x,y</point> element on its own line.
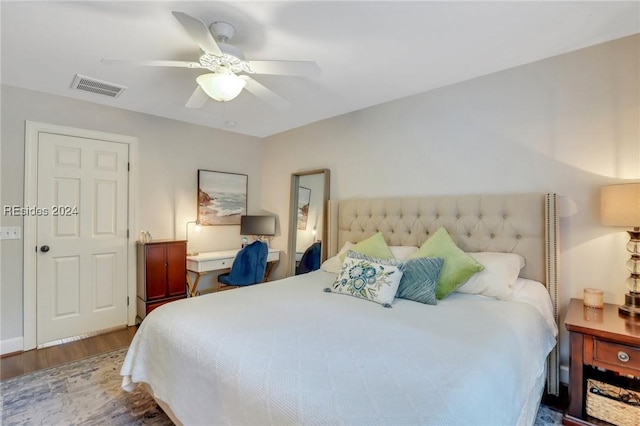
<point>516,223</point>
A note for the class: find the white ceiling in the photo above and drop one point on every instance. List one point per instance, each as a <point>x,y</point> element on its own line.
<point>370,52</point>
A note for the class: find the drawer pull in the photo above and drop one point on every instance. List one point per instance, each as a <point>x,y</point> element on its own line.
<point>623,356</point>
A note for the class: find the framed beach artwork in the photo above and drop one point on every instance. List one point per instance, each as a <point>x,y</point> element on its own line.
<point>222,197</point>
<point>304,196</point>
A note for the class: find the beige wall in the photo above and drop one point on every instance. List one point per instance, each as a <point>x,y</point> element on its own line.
<point>169,152</point>
<point>568,124</point>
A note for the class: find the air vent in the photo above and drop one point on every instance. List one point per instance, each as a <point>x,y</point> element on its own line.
<point>93,85</point>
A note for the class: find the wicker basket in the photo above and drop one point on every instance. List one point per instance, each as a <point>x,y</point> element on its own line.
<point>613,404</point>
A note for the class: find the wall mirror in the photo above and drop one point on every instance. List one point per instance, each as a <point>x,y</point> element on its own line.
<point>308,215</point>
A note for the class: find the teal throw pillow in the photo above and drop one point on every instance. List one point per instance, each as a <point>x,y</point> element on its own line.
<point>419,280</point>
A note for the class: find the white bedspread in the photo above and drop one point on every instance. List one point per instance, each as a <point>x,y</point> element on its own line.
<point>286,352</point>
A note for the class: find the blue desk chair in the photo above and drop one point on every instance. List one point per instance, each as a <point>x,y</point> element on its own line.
<point>248,267</point>
<point>310,260</point>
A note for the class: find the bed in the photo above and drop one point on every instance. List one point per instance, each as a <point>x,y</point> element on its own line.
<point>291,352</point>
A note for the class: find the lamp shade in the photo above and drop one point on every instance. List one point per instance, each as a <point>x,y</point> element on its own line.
<point>221,86</point>
<point>620,205</point>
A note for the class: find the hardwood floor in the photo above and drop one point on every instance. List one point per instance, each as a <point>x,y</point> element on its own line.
<point>39,359</point>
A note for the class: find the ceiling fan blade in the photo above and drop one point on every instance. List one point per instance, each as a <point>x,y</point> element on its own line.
<point>153,63</point>
<point>198,99</point>
<point>198,32</point>
<point>299,68</point>
<point>265,94</point>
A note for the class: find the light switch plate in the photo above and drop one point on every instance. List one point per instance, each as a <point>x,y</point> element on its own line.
<point>11,233</point>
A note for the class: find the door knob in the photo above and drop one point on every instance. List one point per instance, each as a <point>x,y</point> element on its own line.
<point>44,249</point>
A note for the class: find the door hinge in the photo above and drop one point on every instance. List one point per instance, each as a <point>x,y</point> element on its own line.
<point>128,167</point>
<point>127,300</point>
<point>127,233</point>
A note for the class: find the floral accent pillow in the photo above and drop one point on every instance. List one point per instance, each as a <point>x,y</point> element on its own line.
<point>369,278</point>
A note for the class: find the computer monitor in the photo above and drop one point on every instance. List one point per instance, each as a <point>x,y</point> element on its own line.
<point>257,225</point>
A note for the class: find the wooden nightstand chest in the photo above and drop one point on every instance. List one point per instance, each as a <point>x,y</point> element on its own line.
<point>161,274</point>
<point>603,339</point>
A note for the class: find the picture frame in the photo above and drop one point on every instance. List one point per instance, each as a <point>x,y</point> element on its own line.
<point>304,198</point>
<point>222,197</point>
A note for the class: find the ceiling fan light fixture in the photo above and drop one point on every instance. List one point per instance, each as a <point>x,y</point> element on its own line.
<point>222,87</point>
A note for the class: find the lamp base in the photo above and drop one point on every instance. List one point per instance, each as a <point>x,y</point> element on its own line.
<point>631,307</point>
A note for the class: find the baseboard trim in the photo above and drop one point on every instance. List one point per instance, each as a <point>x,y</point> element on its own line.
<point>80,337</point>
<point>11,345</point>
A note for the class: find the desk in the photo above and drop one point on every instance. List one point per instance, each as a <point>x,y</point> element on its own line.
<point>203,263</point>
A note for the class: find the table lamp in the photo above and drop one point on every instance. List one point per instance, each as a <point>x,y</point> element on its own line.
<point>197,228</point>
<point>620,206</point>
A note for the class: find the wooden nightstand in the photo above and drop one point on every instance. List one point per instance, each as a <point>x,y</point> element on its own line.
<point>162,268</point>
<point>599,338</point>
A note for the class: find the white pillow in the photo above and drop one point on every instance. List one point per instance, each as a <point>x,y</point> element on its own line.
<point>334,264</point>
<point>499,274</point>
<point>402,252</point>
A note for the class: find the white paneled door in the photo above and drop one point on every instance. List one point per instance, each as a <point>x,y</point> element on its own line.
<point>82,236</point>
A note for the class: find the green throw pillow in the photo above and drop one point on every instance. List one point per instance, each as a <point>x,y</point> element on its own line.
<point>458,267</point>
<point>374,246</point>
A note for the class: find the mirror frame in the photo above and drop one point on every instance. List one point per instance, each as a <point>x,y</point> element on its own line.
<point>293,215</point>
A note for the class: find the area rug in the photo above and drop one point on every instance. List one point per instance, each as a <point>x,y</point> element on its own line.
<point>88,392</point>
<point>85,392</point>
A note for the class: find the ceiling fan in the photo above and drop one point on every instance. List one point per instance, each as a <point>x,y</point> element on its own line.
<point>228,67</point>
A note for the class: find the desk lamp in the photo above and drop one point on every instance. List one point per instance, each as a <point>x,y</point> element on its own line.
<point>197,228</point>
<point>620,206</point>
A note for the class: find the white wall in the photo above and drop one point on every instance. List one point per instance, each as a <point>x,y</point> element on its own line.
<point>568,124</point>
<point>170,153</point>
